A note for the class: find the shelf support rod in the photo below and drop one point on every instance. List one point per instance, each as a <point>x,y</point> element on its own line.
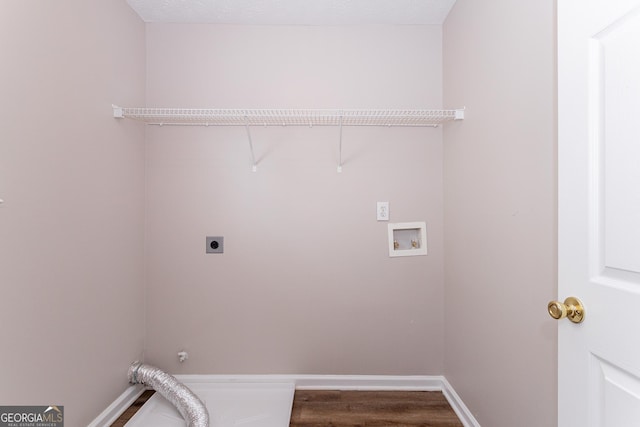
<point>340,147</point>
<point>253,157</point>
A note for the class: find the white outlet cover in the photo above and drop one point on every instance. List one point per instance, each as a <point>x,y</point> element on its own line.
<point>382,211</point>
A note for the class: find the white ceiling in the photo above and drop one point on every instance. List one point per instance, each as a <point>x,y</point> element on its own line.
<point>294,12</point>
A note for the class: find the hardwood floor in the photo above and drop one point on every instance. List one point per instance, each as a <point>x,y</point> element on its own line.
<point>131,411</point>
<point>372,409</point>
<point>313,408</point>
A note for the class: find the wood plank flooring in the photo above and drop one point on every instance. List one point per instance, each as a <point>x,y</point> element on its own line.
<point>372,409</point>
<point>313,408</point>
<point>131,411</point>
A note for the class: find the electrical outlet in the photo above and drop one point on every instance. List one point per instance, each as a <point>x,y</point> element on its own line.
<point>215,244</point>
<point>382,211</point>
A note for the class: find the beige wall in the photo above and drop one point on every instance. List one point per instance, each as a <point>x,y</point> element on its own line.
<point>305,284</point>
<point>499,186</point>
<point>71,242</point>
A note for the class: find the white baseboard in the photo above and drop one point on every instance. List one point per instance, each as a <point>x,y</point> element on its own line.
<point>461,410</point>
<point>113,411</point>
<point>328,382</point>
<point>313,382</point>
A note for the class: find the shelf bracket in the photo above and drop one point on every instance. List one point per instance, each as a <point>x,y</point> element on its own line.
<point>340,147</point>
<point>118,112</point>
<point>253,157</point>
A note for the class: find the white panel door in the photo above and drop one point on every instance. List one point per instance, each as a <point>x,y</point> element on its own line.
<point>599,211</point>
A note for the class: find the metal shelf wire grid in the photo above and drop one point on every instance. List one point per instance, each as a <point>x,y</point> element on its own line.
<point>287,117</point>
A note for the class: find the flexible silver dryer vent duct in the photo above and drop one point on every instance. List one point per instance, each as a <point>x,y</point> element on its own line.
<point>186,402</point>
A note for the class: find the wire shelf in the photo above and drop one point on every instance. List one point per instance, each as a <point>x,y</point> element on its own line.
<point>286,117</point>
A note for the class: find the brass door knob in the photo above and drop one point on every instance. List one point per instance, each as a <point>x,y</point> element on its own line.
<point>572,309</point>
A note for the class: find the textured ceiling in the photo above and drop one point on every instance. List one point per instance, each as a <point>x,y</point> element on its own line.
<point>294,12</point>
